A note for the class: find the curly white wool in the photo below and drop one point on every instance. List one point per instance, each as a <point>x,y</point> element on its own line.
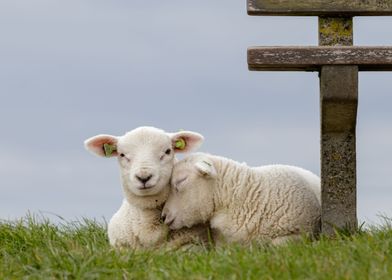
<point>243,204</point>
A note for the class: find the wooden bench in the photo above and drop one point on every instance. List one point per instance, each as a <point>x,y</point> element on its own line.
<point>338,63</point>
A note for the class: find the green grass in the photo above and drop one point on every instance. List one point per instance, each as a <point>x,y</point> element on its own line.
<point>38,249</point>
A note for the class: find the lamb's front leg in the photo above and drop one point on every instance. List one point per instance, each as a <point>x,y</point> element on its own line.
<point>227,229</point>
<point>121,228</point>
<point>150,230</point>
<point>283,240</point>
<point>189,237</point>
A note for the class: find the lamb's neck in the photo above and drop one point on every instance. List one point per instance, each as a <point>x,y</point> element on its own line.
<point>231,177</point>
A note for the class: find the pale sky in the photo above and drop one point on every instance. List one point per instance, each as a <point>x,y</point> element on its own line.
<point>71,69</point>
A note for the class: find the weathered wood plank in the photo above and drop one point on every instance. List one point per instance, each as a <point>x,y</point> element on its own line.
<point>312,58</point>
<point>338,102</point>
<point>320,7</point>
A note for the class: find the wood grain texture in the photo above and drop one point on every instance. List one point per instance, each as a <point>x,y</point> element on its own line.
<point>320,7</point>
<point>338,110</point>
<point>339,101</point>
<point>312,58</point>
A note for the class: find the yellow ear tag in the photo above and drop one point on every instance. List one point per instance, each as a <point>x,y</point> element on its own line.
<point>180,144</point>
<point>109,149</point>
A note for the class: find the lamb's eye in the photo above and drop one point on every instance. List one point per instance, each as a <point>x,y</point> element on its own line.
<point>123,156</point>
<point>180,181</point>
<point>168,151</point>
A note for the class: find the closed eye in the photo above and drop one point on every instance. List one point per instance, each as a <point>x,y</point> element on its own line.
<point>167,152</point>
<point>123,156</point>
<point>180,181</point>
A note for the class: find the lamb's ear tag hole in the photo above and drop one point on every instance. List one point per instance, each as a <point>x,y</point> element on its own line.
<point>180,144</point>
<point>109,149</point>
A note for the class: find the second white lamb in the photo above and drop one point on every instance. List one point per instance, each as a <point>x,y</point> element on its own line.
<point>274,203</point>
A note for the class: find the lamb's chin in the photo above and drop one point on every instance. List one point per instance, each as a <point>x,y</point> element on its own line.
<point>145,191</point>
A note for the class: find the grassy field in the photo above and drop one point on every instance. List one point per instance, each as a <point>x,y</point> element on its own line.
<point>31,249</point>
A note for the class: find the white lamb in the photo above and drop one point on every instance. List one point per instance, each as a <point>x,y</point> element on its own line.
<point>274,203</point>
<point>146,159</point>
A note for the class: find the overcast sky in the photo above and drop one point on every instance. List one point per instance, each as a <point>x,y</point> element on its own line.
<point>71,69</point>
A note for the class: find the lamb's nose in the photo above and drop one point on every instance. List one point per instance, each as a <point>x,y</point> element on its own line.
<point>144,179</point>
<point>163,217</point>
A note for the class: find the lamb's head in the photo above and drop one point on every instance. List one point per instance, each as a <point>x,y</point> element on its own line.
<point>190,200</point>
<point>145,156</point>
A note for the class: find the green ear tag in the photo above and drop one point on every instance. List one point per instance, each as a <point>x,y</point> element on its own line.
<point>180,144</point>
<point>109,149</point>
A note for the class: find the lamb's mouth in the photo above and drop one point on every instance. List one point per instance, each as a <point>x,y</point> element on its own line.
<point>169,222</point>
<point>145,187</point>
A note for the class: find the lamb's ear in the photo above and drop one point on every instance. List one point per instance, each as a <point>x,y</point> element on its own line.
<point>186,141</point>
<point>206,168</point>
<point>102,145</point>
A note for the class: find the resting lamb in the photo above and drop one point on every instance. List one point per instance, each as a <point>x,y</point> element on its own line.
<point>272,203</point>
<point>146,159</point>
